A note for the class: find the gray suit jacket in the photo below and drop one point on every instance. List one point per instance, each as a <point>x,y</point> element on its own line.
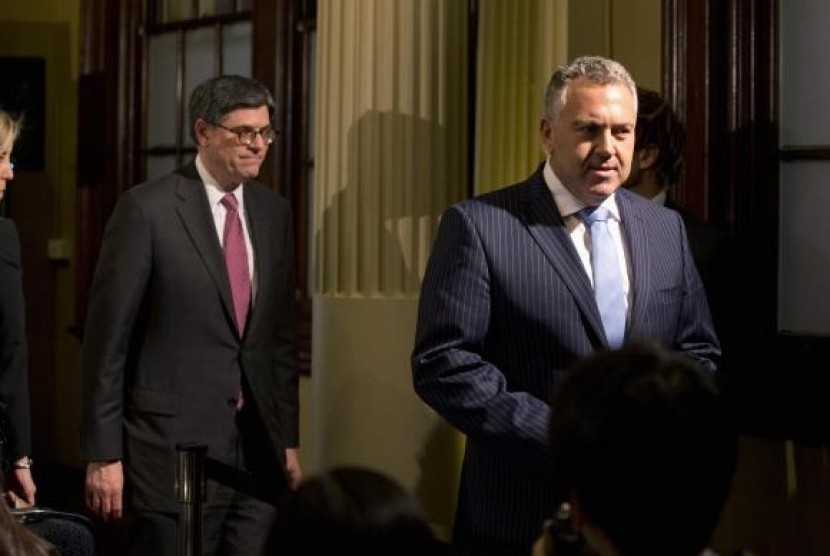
<point>162,357</point>
<point>506,307</point>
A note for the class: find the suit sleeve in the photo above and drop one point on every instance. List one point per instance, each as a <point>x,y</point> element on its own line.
<point>450,370</point>
<point>14,381</point>
<point>285,348</point>
<point>115,297</point>
<point>696,335</point>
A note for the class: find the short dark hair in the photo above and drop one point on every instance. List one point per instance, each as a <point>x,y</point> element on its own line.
<point>214,98</point>
<point>644,439</point>
<point>353,509</point>
<point>659,126</point>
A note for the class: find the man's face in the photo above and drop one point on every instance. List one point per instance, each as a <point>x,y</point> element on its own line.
<point>591,142</point>
<point>224,155</point>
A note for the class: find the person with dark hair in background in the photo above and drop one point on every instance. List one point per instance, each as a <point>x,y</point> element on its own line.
<point>355,510</point>
<point>15,421</point>
<point>657,166</point>
<point>525,280</point>
<point>644,451</point>
<point>190,335</point>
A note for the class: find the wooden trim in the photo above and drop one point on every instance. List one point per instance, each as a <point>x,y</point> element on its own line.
<point>109,63</point>
<point>674,54</point>
<point>725,90</point>
<point>271,59</point>
<point>198,23</point>
<point>805,153</point>
<point>278,39</point>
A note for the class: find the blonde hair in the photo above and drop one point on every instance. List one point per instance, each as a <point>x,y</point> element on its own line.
<point>9,130</point>
<point>15,539</point>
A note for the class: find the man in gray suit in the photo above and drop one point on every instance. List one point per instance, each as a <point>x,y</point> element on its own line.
<point>507,302</point>
<point>171,355</point>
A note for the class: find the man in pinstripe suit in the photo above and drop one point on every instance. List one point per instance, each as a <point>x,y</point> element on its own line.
<point>507,302</point>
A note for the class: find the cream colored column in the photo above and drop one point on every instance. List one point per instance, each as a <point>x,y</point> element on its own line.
<point>390,156</point>
<point>520,44</point>
<point>636,39</point>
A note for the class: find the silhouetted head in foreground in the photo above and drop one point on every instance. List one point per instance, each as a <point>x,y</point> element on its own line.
<point>643,450</point>
<point>355,510</point>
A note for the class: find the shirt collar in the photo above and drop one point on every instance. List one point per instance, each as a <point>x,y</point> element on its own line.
<point>567,203</point>
<point>661,197</point>
<point>214,190</point>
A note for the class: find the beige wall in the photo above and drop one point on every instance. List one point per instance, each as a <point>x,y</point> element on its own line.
<point>63,12</point>
<point>627,30</point>
<point>636,39</point>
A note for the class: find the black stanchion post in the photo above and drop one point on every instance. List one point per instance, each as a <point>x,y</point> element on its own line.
<point>190,493</point>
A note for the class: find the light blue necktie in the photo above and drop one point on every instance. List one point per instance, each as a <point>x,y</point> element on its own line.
<point>608,283</point>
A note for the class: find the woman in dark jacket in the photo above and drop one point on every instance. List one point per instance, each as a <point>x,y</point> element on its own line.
<point>15,434</point>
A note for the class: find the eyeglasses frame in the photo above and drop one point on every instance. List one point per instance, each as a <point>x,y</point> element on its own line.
<point>243,132</point>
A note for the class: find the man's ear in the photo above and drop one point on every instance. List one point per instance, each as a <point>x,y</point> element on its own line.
<point>546,134</point>
<point>647,156</point>
<point>200,130</point>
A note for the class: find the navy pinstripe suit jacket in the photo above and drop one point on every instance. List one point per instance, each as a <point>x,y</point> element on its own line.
<point>506,306</point>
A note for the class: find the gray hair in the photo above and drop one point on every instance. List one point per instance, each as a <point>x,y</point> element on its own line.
<point>596,69</point>
<point>213,99</point>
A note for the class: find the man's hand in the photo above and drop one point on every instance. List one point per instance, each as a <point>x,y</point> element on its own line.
<point>292,465</point>
<point>105,488</point>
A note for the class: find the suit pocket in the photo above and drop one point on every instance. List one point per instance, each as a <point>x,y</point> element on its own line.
<point>667,292</point>
<point>153,401</point>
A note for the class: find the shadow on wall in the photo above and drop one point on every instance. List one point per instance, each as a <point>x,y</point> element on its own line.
<point>440,464</point>
<point>378,227</point>
<point>374,236</point>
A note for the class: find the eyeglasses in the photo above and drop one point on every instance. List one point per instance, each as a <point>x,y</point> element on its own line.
<point>247,135</point>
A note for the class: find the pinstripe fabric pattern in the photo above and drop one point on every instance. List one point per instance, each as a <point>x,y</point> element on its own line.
<point>506,306</point>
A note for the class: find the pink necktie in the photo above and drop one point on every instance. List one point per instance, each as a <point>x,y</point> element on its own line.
<point>236,259</point>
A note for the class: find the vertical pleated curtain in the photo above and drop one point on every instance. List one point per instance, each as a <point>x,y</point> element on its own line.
<point>520,44</point>
<point>391,147</point>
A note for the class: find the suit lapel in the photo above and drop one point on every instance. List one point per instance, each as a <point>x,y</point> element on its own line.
<point>256,217</point>
<point>547,228</point>
<point>194,211</point>
<point>635,231</point>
